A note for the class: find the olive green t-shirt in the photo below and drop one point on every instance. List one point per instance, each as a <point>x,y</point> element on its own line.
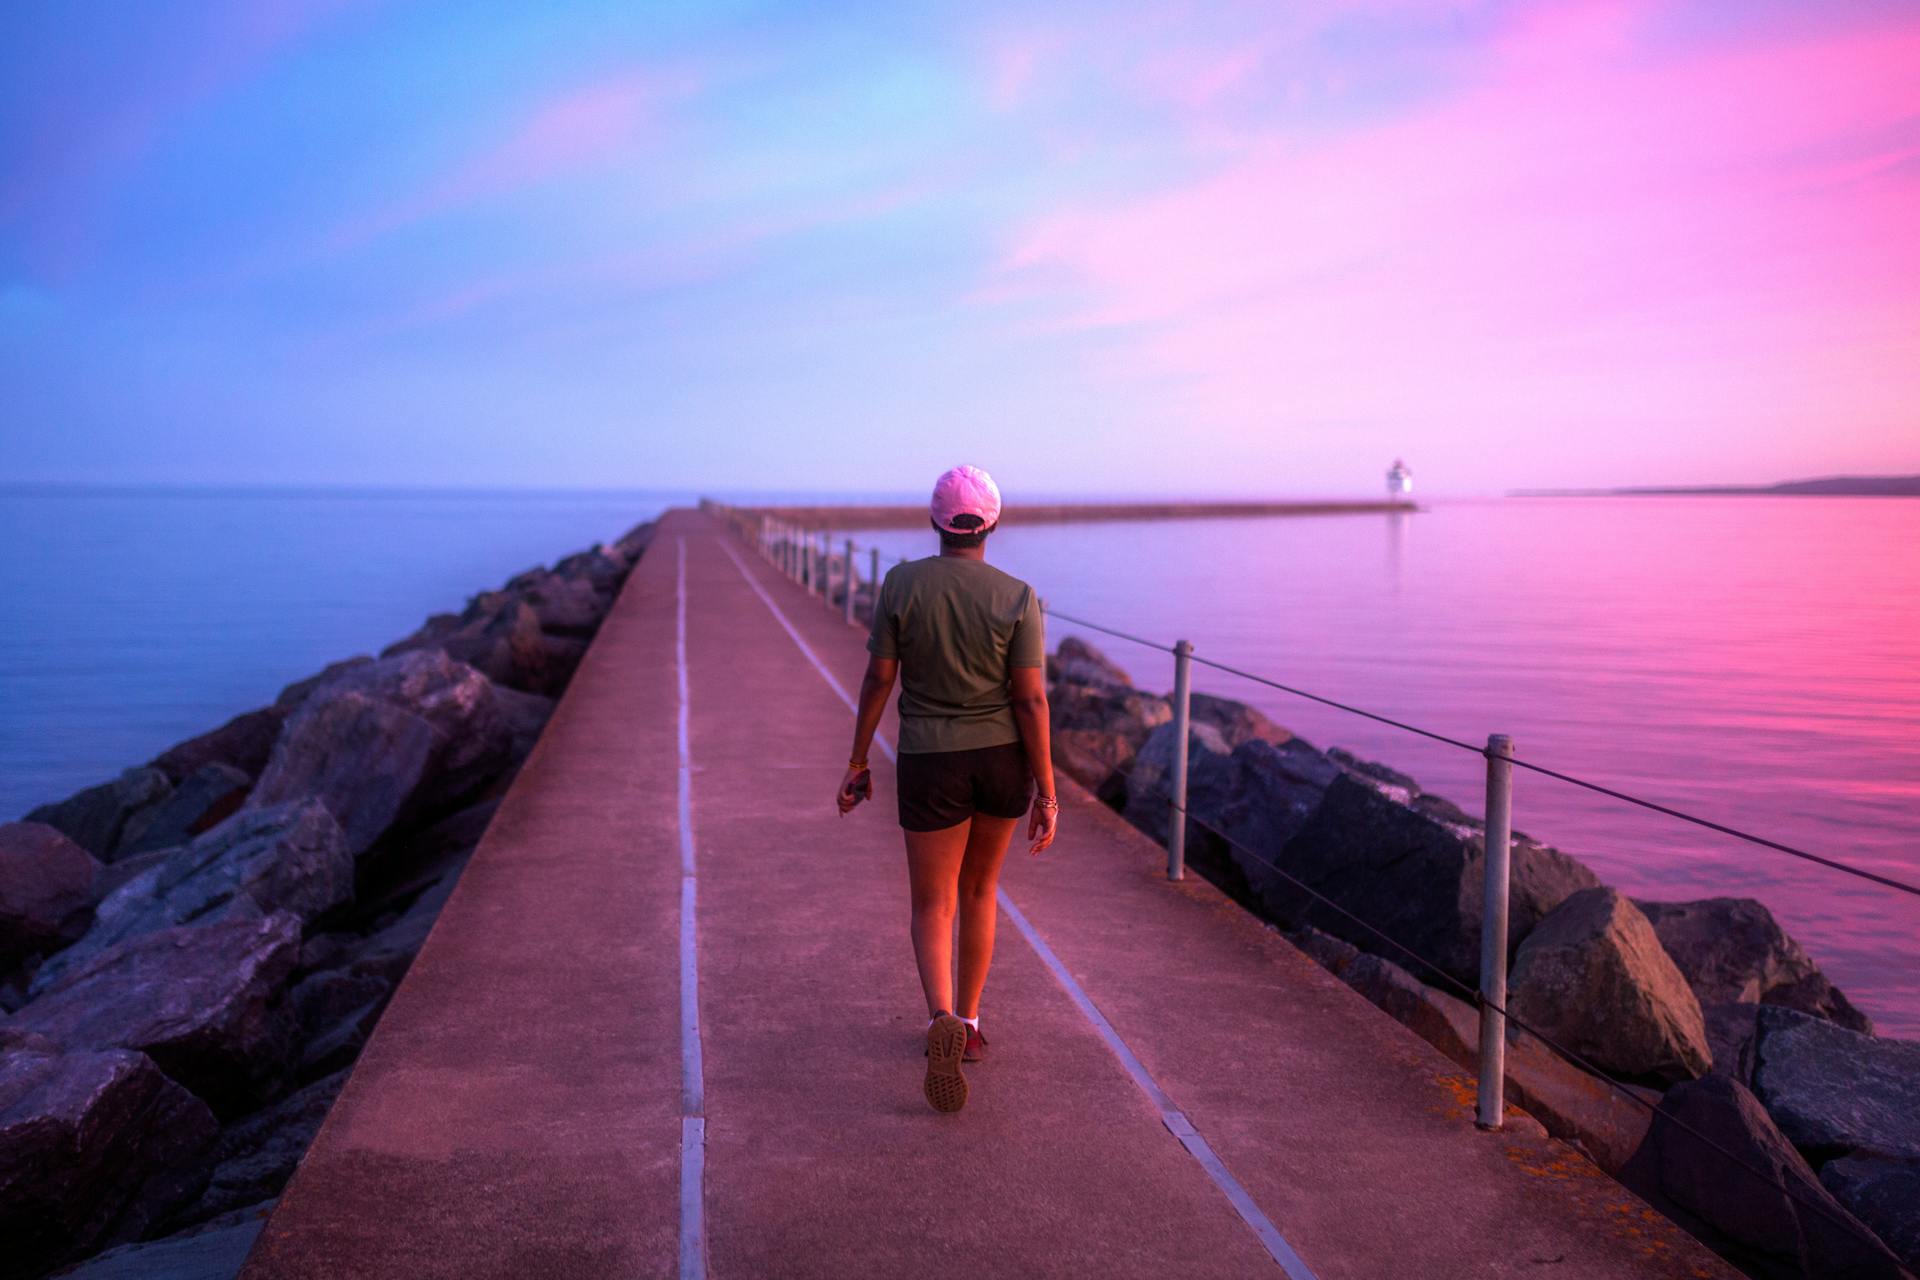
<point>958,627</point>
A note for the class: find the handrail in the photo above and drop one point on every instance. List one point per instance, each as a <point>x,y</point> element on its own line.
<point>1498,754</point>
<point>1644,803</point>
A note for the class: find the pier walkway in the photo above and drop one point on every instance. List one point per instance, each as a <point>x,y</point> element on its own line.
<point>669,1024</point>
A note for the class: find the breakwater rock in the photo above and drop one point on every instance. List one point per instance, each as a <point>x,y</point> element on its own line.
<point>194,952</point>
<point>1707,1017</point>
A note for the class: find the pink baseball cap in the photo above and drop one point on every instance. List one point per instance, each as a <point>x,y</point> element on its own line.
<point>962,493</point>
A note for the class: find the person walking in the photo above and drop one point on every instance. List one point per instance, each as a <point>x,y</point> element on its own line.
<point>966,643</point>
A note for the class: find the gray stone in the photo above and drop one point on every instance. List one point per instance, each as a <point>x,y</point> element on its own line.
<point>95,817</point>
<point>200,800</point>
<point>1730,1032</point>
<point>363,758</point>
<point>244,743</point>
<point>525,715</point>
<point>1772,1217</point>
<point>291,858</point>
<point>1075,661</point>
<point>1236,721</point>
<point>506,645</point>
<point>1732,949</point>
<point>1593,977</point>
<point>212,1250</point>
<point>1149,777</point>
<point>566,606</point>
<point>296,693</point>
<point>1884,1193</point>
<point>204,1002</point>
<point>95,1146</point>
<point>1261,799</point>
<point>255,1155</point>
<point>1127,712</point>
<point>1831,1090</point>
<point>47,883</point>
<point>1412,871</point>
<point>337,1010</point>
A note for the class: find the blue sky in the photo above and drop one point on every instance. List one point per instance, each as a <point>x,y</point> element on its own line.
<point>1103,248</point>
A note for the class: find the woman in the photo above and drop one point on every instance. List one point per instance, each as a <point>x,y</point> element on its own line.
<point>966,643</point>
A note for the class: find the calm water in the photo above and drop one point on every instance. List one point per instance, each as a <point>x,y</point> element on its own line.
<point>136,618</point>
<point>1753,660</point>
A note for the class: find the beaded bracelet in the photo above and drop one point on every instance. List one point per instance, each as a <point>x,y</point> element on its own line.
<point>1046,802</point>
<point>857,764</point>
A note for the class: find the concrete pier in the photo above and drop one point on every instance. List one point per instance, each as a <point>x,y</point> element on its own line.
<point>1173,1089</point>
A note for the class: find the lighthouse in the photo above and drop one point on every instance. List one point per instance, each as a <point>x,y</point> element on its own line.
<point>1399,479</point>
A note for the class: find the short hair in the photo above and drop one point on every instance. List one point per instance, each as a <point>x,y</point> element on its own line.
<point>972,538</point>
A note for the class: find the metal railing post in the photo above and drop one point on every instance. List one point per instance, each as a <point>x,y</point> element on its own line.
<point>1497,865</point>
<point>1177,801</point>
<point>849,560</point>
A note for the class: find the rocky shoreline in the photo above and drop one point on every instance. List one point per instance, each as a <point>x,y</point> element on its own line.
<point>1737,1048</point>
<point>193,954</point>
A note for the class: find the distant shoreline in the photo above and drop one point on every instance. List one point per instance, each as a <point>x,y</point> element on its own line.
<point>900,516</point>
<point>1825,487</point>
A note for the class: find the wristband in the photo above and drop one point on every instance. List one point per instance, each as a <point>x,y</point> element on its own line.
<point>861,765</point>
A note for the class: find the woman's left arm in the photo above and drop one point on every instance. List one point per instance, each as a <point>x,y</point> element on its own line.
<point>874,688</point>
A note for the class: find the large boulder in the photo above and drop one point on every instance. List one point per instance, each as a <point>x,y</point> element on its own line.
<point>201,800</point>
<point>1260,800</point>
<point>1772,1216</point>
<point>95,1146</point>
<point>1098,729</point>
<point>1832,1090</point>
<point>211,1250</point>
<point>1150,776</point>
<point>204,1002</point>
<point>388,742</point>
<point>504,643</point>
<point>46,890</point>
<point>1411,867</point>
<point>254,1156</point>
<point>566,606</point>
<point>291,858</point>
<point>1733,950</point>
<point>1593,977</point>
<point>95,817</point>
<point>1236,721</point>
<point>1884,1193</point>
<point>1075,661</point>
<point>242,743</point>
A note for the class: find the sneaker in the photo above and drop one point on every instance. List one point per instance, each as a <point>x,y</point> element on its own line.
<point>976,1046</point>
<point>946,1088</point>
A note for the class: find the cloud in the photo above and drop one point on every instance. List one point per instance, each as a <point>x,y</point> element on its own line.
<point>1592,211</point>
<point>577,129</point>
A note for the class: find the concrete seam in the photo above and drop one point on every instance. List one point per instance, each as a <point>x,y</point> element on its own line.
<point>1171,1116</point>
<point>693,1102</point>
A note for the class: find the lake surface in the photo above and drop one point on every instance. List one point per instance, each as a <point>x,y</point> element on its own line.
<point>1754,660</point>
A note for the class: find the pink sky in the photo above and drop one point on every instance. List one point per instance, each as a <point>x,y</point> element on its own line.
<point>1193,248</point>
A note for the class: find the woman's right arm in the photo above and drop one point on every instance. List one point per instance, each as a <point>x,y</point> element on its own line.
<point>1029,689</point>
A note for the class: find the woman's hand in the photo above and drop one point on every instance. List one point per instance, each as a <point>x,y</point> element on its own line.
<point>855,787</point>
<point>1043,823</point>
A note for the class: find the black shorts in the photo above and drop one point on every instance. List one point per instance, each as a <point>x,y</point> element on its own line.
<point>940,789</point>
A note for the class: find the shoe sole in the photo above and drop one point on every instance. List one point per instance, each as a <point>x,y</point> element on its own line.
<point>946,1088</point>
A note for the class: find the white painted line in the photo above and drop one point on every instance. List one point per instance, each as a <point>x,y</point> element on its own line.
<point>1170,1115</point>
<point>693,1101</point>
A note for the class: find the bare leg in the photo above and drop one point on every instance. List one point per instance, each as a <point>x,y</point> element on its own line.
<point>979,879</point>
<point>933,869</point>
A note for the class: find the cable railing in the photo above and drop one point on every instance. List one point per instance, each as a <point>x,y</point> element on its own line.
<point>807,555</point>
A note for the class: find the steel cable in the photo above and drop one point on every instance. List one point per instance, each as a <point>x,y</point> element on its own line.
<point>1476,998</point>
<point>1655,806</point>
<point>1471,995</point>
